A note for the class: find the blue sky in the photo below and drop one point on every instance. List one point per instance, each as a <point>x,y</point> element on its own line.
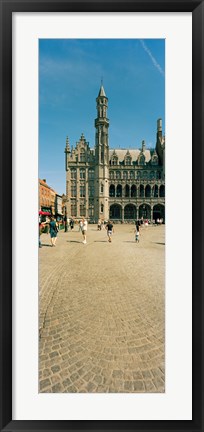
<point>70,73</point>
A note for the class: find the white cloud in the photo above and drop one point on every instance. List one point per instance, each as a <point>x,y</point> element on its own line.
<point>155,63</point>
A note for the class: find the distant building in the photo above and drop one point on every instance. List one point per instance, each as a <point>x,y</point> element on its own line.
<point>49,200</point>
<point>119,184</point>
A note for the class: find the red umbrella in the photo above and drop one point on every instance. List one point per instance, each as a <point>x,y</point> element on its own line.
<point>44,213</point>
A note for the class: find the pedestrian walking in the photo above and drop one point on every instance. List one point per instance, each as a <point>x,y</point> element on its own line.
<point>99,225</point>
<point>110,231</point>
<point>137,232</point>
<point>84,229</point>
<point>71,224</point>
<point>53,231</point>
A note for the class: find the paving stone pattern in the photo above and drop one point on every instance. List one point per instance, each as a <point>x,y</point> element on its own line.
<point>102,312</point>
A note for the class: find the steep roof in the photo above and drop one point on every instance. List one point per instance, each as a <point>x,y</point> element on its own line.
<point>133,153</point>
<point>101,91</point>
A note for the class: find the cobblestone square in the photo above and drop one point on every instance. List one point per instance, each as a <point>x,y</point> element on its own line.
<point>102,311</point>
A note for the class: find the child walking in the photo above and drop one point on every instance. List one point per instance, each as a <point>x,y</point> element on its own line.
<point>137,232</point>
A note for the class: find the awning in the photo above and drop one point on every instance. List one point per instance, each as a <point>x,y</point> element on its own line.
<point>44,213</point>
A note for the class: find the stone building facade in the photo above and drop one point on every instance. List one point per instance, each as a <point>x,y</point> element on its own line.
<point>117,184</point>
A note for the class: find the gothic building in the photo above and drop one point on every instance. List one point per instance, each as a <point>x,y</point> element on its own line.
<point>116,184</point>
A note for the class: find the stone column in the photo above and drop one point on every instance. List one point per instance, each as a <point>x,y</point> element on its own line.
<point>123,213</point>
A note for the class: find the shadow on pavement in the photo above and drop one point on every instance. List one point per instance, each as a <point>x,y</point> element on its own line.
<point>73,241</point>
<point>159,243</point>
<point>100,241</point>
<point>47,245</point>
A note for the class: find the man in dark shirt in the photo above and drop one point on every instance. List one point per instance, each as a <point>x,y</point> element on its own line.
<point>110,230</point>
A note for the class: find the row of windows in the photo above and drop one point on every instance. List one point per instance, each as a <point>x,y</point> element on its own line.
<point>128,160</point>
<point>149,175</point>
<point>133,191</point>
<point>118,191</point>
<point>82,190</point>
<point>82,174</point>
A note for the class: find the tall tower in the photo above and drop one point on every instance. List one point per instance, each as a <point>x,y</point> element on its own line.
<point>101,157</point>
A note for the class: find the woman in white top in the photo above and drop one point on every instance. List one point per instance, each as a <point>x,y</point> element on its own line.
<point>84,229</point>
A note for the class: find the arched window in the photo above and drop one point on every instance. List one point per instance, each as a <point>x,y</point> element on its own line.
<point>73,174</point>
<point>132,175</point>
<point>141,191</point>
<point>111,190</point>
<point>127,160</point>
<point>117,174</point>
<point>119,191</point>
<point>125,175</point>
<point>73,189</point>
<point>82,190</point>
<point>127,191</point>
<point>91,174</point>
<point>162,191</point>
<point>148,191</point>
<point>102,206</point>
<point>152,175</point>
<point>82,174</point>
<point>133,191</point>
<point>111,175</point>
<point>91,189</point>
<point>114,160</point>
<point>102,187</point>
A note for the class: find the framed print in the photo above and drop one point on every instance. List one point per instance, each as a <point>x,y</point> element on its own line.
<point>101,322</point>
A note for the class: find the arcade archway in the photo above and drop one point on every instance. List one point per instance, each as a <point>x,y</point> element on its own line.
<point>115,211</point>
<point>130,211</point>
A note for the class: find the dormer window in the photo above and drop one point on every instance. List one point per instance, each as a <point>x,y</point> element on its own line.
<point>82,155</point>
<point>114,160</point>
<point>128,160</point>
<point>141,159</point>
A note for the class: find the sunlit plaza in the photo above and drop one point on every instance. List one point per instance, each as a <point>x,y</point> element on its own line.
<point>102,311</point>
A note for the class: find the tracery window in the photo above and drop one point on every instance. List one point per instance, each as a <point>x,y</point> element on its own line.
<point>82,174</point>
<point>73,189</point>
<point>111,175</point>
<point>73,174</point>
<point>117,174</point>
<point>111,190</point>
<point>82,155</point>
<point>125,175</point>
<point>82,191</point>
<point>127,160</point>
<point>91,173</point>
<point>132,174</point>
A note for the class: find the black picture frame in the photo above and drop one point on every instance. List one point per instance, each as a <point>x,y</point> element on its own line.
<point>6,9</point>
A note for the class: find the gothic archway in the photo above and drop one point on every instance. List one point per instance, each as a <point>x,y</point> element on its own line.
<point>130,212</point>
<point>159,212</point>
<point>145,211</point>
<point>115,211</point>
